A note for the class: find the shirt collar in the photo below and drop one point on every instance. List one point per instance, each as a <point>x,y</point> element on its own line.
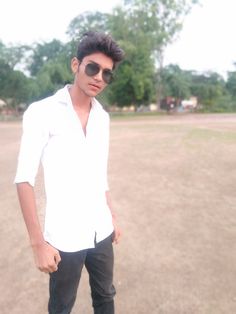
<point>63,97</point>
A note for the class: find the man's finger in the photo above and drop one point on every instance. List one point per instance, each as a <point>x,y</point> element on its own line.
<point>116,237</point>
<point>53,267</point>
<point>57,258</point>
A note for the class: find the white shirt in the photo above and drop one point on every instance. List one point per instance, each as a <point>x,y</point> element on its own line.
<point>75,170</point>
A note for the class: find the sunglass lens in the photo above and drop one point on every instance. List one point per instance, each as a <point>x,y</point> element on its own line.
<point>92,69</point>
<point>107,76</point>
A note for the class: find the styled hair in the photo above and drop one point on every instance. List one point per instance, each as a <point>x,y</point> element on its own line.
<point>93,42</point>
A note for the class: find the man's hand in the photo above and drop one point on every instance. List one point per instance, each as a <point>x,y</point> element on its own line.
<point>116,233</point>
<point>46,257</point>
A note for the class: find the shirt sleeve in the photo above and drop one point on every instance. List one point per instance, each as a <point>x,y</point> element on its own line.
<point>33,141</point>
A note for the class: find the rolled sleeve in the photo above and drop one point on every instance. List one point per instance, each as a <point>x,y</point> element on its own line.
<point>34,139</point>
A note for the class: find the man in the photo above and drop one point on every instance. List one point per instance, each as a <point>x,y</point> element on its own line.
<point>69,133</point>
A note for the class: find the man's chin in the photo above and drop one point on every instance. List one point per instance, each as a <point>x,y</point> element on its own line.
<point>93,93</point>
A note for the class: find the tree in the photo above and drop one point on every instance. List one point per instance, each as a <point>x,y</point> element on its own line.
<point>49,66</point>
<point>208,87</point>
<point>5,71</point>
<point>176,83</point>
<point>135,76</point>
<point>12,55</point>
<point>45,52</point>
<point>14,85</point>
<point>87,21</point>
<point>231,82</point>
<point>52,76</point>
<point>160,21</point>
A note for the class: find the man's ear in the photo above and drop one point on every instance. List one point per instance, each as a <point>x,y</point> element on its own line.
<point>74,64</point>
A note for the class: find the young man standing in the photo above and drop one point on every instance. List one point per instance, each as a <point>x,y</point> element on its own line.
<point>69,133</point>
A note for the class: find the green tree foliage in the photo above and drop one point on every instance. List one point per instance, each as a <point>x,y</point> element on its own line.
<point>176,82</point>
<point>153,25</point>
<point>13,55</point>
<point>51,77</point>
<point>135,76</point>
<point>96,21</point>
<point>231,83</point>
<point>159,21</point>
<point>5,71</point>
<point>14,85</point>
<point>50,67</point>
<point>208,87</point>
<point>43,53</point>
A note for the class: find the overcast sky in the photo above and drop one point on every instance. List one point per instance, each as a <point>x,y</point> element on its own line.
<point>207,41</point>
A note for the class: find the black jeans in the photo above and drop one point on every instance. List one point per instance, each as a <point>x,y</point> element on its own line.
<point>64,282</point>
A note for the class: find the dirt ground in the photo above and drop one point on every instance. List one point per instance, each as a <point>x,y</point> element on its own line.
<point>173,184</point>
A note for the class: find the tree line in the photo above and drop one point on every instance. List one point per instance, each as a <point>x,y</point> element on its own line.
<point>143,28</point>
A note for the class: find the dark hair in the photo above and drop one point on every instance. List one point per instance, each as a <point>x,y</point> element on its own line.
<point>93,42</point>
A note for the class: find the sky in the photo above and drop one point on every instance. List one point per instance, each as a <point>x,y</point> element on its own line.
<point>206,42</point>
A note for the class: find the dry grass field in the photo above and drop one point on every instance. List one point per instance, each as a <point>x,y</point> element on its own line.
<point>173,182</point>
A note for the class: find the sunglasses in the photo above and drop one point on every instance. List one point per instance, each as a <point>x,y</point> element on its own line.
<point>93,68</point>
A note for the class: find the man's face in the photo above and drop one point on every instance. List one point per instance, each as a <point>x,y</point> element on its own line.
<point>89,83</point>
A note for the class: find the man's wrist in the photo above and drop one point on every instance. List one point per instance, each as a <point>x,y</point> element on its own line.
<point>37,242</point>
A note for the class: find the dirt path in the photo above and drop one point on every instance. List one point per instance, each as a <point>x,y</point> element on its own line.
<point>173,181</point>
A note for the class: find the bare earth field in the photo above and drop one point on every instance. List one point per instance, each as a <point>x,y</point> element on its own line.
<point>173,183</point>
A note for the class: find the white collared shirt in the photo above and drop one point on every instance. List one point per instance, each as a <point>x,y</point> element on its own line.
<point>75,170</point>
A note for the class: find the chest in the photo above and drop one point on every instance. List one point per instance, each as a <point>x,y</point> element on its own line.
<point>83,117</point>
<point>70,130</point>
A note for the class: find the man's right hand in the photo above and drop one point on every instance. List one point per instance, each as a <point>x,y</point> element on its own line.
<point>46,257</point>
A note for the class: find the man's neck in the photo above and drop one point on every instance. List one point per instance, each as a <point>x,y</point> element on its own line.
<point>82,105</point>
<point>79,99</point>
